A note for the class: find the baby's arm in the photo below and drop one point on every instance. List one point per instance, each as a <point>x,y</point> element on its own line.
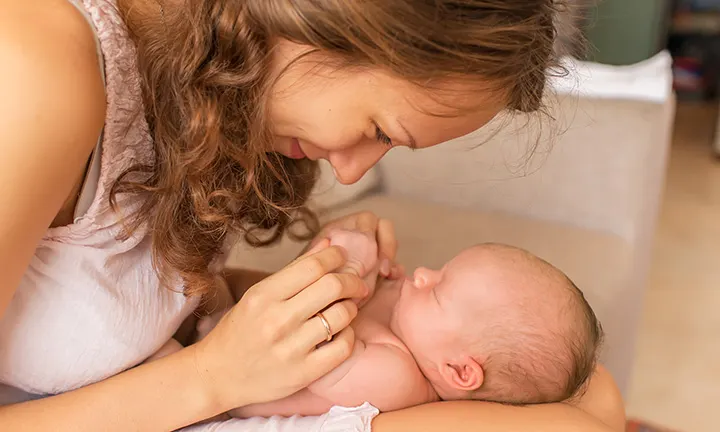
<point>383,374</point>
<point>305,402</point>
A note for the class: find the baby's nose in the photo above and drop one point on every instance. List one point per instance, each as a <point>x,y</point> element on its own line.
<point>420,277</point>
<point>424,278</point>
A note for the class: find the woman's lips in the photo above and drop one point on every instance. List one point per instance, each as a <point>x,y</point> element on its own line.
<point>295,151</point>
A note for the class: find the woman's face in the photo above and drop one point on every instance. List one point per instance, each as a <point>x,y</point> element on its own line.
<point>352,118</point>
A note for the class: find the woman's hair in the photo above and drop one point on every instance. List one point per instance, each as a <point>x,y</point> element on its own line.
<point>205,72</point>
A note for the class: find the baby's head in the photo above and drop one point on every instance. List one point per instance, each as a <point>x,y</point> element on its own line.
<point>498,323</point>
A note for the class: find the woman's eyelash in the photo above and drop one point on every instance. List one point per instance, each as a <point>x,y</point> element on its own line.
<point>382,137</point>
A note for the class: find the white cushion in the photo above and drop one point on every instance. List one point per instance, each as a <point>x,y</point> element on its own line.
<point>650,80</point>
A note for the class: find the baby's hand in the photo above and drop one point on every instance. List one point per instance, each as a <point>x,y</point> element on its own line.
<point>362,252</point>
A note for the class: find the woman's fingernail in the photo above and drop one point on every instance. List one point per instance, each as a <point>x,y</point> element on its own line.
<point>385,267</point>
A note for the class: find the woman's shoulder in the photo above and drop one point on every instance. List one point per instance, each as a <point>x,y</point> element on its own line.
<point>52,110</point>
<point>48,22</point>
<point>49,57</point>
<point>50,37</point>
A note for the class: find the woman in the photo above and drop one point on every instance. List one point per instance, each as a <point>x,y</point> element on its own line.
<point>209,115</point>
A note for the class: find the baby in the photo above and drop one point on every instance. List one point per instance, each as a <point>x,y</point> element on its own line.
<point>495,323</point>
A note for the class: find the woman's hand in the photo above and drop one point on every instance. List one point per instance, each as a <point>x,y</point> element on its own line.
<point>265,348</point>
<point>381,230</point>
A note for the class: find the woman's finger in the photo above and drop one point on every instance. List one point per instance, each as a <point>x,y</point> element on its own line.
<point>322,244</point>
<point>303,272</point>
<point>387,242</point>
<point>313,248</point>
<point>329,289</point>
<point>330,355</point>
<point>313,332</point>
<point>365,222</point>
<point>385,267</point>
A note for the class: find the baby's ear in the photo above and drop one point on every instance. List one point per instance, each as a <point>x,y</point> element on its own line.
<point>463,374</point>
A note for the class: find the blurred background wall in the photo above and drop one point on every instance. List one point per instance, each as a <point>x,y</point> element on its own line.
<point>627,31</point>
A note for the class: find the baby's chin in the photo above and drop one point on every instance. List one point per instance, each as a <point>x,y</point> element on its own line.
<point>394,322</point>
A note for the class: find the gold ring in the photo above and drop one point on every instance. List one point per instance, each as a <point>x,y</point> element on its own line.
<point>326,325</point>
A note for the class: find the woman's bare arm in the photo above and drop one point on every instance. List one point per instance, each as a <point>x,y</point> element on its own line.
<point>162,395</point>
<point>603,400</point>
<point>600,410</point>
<point>485,417</point>
<point>52,106</point>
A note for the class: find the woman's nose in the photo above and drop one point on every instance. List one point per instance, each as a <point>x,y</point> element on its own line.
<point>350,165</point>
<point>425,279</point>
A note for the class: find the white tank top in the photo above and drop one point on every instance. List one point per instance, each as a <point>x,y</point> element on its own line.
<point>90,306</point>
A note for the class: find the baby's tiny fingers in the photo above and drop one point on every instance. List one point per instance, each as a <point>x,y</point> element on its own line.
<point>387,241</point>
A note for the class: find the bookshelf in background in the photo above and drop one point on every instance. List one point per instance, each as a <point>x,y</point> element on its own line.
<point>694,42</point>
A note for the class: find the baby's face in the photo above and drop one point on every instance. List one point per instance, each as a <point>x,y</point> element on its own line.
<point>439,310</point>
<point>432,308</point>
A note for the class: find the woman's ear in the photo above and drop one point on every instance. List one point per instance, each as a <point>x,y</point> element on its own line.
<point>464,374</point>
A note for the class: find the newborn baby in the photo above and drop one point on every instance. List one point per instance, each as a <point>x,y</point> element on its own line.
<point>495,323</point>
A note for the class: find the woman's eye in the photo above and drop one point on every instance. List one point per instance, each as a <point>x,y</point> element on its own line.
<point>382,137</point>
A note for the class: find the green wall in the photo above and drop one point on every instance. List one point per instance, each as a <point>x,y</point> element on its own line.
<point>626,31</point>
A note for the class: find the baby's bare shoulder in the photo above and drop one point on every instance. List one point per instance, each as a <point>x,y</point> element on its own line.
<point>396,374</point>
<point>383,374</point>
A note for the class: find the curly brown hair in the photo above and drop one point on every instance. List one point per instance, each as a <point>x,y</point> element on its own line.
<point>206,77</point>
